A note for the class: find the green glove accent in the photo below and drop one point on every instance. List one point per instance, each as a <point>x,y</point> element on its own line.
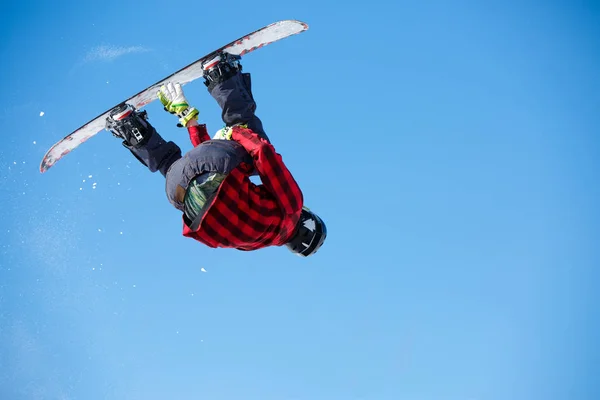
<point>187,115</point>
<point>225,133</point>
<point>172,98</point>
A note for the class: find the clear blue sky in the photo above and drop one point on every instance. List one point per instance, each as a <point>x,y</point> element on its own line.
<point>451,147</point>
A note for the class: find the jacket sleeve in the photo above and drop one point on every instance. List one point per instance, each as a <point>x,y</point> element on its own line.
<point>274,174</point>
<point>198,134</point>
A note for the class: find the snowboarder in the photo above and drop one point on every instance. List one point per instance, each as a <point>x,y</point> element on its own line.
<point>211,183</point>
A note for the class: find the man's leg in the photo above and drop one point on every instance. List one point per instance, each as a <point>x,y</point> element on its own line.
<point>144,142</point>
<point>232,90</point>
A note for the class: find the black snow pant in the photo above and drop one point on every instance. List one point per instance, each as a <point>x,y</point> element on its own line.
<point>234,96</point>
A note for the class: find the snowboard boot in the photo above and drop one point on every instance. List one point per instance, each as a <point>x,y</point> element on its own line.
<point>219,68</point>
<point>126,123</point>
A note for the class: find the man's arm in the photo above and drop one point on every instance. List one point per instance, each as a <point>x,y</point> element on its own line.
<point>198,132</point>
<point>173,99</point>
<point>270,167</point>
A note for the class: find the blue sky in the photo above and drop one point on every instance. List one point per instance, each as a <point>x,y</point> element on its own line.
<point>451,147</point>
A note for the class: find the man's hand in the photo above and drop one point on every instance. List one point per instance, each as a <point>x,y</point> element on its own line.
<point>223,133</point>
<point>172,97</point>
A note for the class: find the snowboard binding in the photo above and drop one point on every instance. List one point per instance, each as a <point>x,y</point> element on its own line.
<point>126,123</point>
<point>220,68</point>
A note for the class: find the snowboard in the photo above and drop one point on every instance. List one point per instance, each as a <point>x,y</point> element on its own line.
<point>242,46</point>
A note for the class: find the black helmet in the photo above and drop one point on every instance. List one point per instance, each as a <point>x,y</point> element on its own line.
<point>310,234</point>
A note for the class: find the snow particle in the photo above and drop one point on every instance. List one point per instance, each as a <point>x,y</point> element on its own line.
<point>89,176</point>
<point>34,142</point>
<point>99,230</point>
<point>41,114</point>
<point>120,233</point>
<point>202,269</point>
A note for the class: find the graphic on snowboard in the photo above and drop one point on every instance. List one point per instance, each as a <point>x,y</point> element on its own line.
<point>244,45</point>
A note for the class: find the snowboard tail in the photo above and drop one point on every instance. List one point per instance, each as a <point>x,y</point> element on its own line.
<point>242,46</point>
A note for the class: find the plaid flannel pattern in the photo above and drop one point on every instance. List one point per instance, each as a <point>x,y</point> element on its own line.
<point>244,215</point>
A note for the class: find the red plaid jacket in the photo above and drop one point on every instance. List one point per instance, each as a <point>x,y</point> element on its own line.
<point>244,215</point>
